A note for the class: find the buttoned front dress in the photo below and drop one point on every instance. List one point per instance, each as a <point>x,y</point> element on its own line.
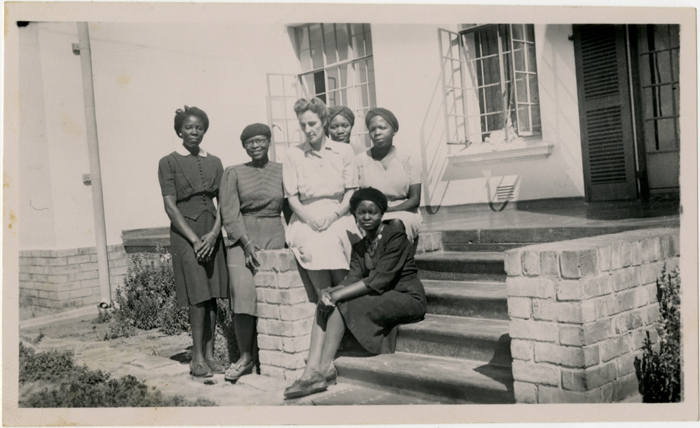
<point>320,179</point>
<point>251,203</point>
<point>392,175</point>
<point>194,181</point>
<point>396,297</point>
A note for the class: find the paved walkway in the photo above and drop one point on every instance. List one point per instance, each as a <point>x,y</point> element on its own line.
<point>160,361</point>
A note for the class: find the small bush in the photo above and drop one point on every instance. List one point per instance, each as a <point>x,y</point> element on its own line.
<point>43,366</point>
<point>225,345</point>
<point>147,300</point>
<point>78,386</point>
<point>659,373</point>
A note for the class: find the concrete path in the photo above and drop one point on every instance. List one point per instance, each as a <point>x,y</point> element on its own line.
<point>161,361</point>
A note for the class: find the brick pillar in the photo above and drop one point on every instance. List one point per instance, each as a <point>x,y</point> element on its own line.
<point>285,316</point>
<point>579,312</point>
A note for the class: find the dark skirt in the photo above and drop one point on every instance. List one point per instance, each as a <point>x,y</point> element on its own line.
<point>268,234</point>
<point>198,282</point>
<point>373,318</point>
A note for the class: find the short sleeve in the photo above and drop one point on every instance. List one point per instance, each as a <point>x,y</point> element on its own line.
<point>390,264</point>
<point>350,180</point>
<point>231,217</point>
<point>166,177</point>
<point>289,175</point>
<point>415,171</point>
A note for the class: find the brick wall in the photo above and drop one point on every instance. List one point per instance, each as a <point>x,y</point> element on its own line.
<point>579,312</point>
<point>67,278</point>
<point>285,315</point>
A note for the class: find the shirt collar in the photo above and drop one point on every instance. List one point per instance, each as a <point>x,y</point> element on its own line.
<point>330,145</point>
<point>182,151</point>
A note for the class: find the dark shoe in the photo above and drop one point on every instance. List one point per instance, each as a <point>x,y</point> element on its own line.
<point>215,366</point>
<point>303,387</point>
<point>235,372</point>
<point>200,370</point>
<point>331,375</point>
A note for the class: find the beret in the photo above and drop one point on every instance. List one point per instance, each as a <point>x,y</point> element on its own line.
<point>255,129</point>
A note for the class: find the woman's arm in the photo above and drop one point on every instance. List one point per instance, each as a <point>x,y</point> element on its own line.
<point>411,203</point>
<point>304,214</point>
<point>178,219</point>
<point>342,209</point>
<point>207,243</point>
<point>330,296</point>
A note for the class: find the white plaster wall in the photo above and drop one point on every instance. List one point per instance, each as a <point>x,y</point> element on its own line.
<point>407,70</point>
<point>142,74</point>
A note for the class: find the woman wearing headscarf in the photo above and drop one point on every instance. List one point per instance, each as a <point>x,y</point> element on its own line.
<point>252,198</point>
<point>395,172</point>
<point>340,123</point>
<point>189,179</point>
<point>381,291</point>
<point>319,177</point>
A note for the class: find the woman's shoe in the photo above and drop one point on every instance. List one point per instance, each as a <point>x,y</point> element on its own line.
<point>215,366</point>
<point>331,375</point>
<point>235,372</point>
<point>303,387</point>
<point>200,370</point>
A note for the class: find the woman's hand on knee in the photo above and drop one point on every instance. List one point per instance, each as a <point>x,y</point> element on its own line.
<point>325,299</point>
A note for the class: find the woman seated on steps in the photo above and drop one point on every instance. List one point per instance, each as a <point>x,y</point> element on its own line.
<point>381,291</point>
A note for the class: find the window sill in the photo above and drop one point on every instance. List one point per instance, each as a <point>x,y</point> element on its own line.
<point>484,153</point>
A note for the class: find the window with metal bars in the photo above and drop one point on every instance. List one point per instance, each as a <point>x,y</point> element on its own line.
<point>337,67</point>
<point>490,76</point>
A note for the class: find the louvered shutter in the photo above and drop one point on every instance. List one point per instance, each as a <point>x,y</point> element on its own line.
<point>605,113</point>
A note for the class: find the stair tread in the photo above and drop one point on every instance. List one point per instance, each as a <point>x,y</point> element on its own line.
<point>458,327</point>
<point>468,289</point>
<point>449,371</point>
<point>466,256</point>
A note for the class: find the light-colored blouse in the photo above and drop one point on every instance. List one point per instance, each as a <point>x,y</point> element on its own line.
<point>392,175</point>
<point>326,173</point>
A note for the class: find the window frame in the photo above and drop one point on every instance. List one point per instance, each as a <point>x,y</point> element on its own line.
<point>511,82</point>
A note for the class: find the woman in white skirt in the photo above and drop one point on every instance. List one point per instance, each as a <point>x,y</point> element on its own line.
<point>319,177</point>
<point>395,173</point>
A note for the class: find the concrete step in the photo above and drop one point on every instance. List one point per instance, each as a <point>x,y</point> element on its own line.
<point>461,266</point>
<point>447,380</point>
<point>467,298</point>
<point>476,339</point>
<point>477,246</point>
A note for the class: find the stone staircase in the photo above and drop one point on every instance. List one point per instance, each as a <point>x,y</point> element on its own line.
<point>460,353</point>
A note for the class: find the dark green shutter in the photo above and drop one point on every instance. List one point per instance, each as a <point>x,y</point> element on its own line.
<point>605,115</point>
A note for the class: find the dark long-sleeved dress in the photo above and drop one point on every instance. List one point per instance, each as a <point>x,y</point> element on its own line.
<point>194,181</point>
<point>397,295</point>
<point>251,203</point>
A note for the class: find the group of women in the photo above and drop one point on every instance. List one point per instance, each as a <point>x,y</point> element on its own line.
<point>353,229</point>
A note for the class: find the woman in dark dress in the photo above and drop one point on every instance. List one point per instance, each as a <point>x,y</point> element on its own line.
<point>252,199</point>
<point>189,180</point>
<point>381,291</point>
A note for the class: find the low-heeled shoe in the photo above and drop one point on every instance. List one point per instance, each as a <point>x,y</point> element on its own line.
<point>303,387</point>
<point>215,366</point>
<point>200,370</point>
<point>236,372</point>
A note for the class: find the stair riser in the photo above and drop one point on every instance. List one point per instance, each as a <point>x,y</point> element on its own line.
<point>460,276</point>
<point>446,392</point>
<point>526,236</point>
<point>489,351</point>
<point>480,267</point>
<point>467,246</point>
<point>465,307</point>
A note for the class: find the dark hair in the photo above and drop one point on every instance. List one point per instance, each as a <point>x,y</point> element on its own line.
<point>368,194</point>
<point>315,104</point>
<point>181,115</point>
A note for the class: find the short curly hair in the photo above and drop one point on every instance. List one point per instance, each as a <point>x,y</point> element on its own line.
<point>181,115</point>
<point>315,105</point>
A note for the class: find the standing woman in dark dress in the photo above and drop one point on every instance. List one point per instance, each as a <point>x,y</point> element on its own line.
<point>251,198</point>
<point>381,291</point>
<point>189,181</point>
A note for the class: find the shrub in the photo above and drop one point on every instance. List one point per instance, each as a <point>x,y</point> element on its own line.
<point>659,373</point>
<point>225,345</point>
<point>147,299</point>
<point>78,386</point>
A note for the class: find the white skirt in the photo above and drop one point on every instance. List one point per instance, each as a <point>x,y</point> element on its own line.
<point>327,250</point>
<point>411,221</point>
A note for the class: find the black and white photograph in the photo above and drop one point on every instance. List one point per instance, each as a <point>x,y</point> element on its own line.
<point>300,208</point>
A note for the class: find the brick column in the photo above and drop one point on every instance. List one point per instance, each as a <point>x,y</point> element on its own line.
<point>579,312</point>
<point>285,316</point>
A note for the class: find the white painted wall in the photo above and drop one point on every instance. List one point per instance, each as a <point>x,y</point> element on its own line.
<point>144,72</point>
